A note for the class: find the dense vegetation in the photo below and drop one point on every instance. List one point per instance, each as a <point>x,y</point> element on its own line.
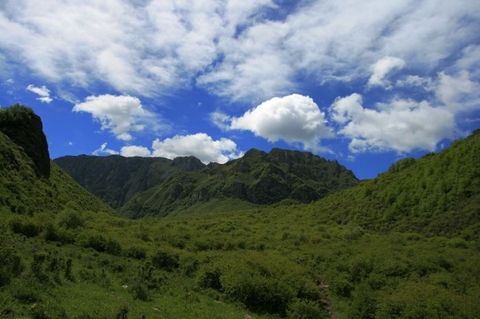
<point>115,179</point>
<point>160,186</point>
<point>358,253</point>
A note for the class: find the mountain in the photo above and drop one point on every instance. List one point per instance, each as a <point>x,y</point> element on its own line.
<point>258,178</point>
<point>158,186</point>
<point>115,179</point>
<point>438,193</point>
<point>29,181</point>
<point>403,245</point>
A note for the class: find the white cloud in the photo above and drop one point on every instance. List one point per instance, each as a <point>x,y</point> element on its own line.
<point>134,150</point>
<point>230,47</point>
<point>416,81</point>
<point>200,145</point>
<point>42,91</point>
<point>401,125</point>
<point>121,114</point>
<point>458,92</point>
<point>221,120</point>
<point>104,150</point>
<point>294,118</point>
<point>382,68</point>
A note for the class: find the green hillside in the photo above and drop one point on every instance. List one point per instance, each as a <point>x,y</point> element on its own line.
<point>356,253</point>
<point>26,185</point>
<point>437,194</point>
<point>115,179</point>
<point>157,186</point>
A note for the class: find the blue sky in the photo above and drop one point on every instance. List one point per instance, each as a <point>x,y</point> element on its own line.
<point>362,82</point>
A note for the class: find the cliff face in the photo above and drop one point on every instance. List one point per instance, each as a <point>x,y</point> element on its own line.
<point>25,129</point>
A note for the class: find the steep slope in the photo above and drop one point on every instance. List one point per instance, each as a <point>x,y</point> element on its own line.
<point>439,193</point>
<point>25,186</point>
<point>257,177</point>
<point>115,179</point>
<point>25,129</point>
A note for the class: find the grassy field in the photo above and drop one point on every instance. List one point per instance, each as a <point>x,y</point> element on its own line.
<point>268,263</point>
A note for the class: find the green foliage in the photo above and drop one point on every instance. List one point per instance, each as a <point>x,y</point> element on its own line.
<point>28,229</point>
<point>305,309</point>
<point>382,249</point>
<point>437,194</point>
<point>102,244</point>
<point>71,220</point>
<point>11,265</point>
<point>166,260</point>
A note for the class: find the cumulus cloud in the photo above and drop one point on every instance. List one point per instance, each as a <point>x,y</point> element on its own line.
<point>294,119</point>
<point>135,150</point>
<point>104,150</point>
<point>121,115</point>
<point>382,68</point>
<point>42,91</point>
<point>200,145</point>
<point>458,92</point>
<point>232,48</point>
<point>401,125</point>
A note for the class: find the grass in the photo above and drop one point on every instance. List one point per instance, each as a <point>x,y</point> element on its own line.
<point>266,262</point>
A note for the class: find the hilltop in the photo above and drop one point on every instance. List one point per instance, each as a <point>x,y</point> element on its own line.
<point>29,181</point>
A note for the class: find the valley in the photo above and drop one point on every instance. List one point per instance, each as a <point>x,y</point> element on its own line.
<point>284,234</point>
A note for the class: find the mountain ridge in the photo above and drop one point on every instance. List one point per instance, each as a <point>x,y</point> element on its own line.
<point>258,177</point>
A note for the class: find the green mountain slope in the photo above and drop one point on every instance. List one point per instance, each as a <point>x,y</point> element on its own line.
<point>257,177</point>
<point>26,185</point>
<point>354,254</point>
<point>439,193</point>
<point>115,179</point>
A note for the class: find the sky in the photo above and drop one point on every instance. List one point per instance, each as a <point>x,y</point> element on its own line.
<point>361,82</point>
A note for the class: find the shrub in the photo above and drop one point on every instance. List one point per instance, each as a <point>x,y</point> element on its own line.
<point>53,233</point>
<point>189,265</point>
<point>304,309</point>
<point>11,265</point>
<point>262,283</point>
<point>71,220</point>
<point>165,260</point>
<point>364,304</point>
<point>38,267</point>
<point>135,252</point>
<point>25,228</point>
<point>210,278</point>
<point>140,292</point>
<point>102,244</point>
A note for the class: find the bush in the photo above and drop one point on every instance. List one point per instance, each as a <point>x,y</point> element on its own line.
<point>135,252</point>
<point>53,233</point>
<point>364,305</point>
<point>265,284</point>
<point>210,278</point>
<point>101,244</point>
<point>189,265</point>
<point>140,292</point>
<point>11,265</point>
<point>25,228</point>
<point>71,220</point>
<point>304,309</point>
<point>165,260</point>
